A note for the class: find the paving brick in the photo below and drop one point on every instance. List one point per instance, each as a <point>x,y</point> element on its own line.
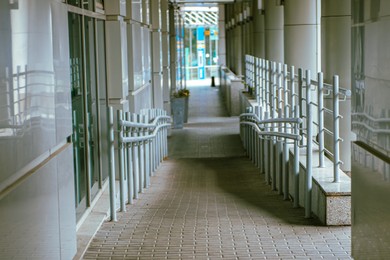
<point>208,201</point>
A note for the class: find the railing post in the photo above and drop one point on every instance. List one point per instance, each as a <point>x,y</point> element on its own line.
<point>130,175</point>
<point>285,159</point>
<point>111,159</point>
<point>273,92</point>
<point>263,82</point>
<point>273,115</point>
<point>147,153</point>
<point>285,153</point>
<point>258,80</point>
<point>309,147</point>
<point>260,143</point>
<point>279,89</point>
<point>300,100</point>
<point>336,129</point>
<point>135,162</point>
<point>292,88</point>
<point>161,140</point>
<point>256,140</point>
<point>267,86</point>
<point>296,160</point>
<point>279,155</point>
<point>267,159</point>
<point>121,162</point>
<point>321,119</point>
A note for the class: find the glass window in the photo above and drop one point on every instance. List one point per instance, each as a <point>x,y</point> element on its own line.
<point>75,2</point>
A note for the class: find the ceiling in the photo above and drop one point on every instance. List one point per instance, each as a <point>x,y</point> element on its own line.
<point>201,2</point>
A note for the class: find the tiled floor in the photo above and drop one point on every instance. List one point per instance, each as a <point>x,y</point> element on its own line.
<point>208,201</point>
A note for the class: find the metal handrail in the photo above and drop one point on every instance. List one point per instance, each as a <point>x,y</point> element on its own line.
<point>272,133</point>
<point>278,90</point>
<point>143,125</point>
<point>148,147</point>
<point>136,139</point>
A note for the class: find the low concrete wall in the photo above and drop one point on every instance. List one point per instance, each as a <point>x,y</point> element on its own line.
<point>331,202</point>
<point>230,87</point>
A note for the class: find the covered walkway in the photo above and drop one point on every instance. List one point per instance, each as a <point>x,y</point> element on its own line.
<point>208,201</point>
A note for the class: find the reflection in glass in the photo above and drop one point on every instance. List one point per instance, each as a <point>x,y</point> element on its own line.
<point>90,99</point>
<point>76,68</point>
<point>102,92</point>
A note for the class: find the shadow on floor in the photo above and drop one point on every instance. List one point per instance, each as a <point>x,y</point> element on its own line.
<point>238,177</point>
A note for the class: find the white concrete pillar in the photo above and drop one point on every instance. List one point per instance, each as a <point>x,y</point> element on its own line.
<point>165,55</point>
<point>221,35</point>
<point>336,59</point>
<point>302,34</point>
<point>274,31</point>
<point>238,43</point>
<point>116,55</point>
<point>155,15</point>
<point>258,31</point>
<point>172,46</point>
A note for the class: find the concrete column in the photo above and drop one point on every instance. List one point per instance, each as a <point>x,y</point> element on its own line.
<point>116,55</point>
<point>258,32</point>
<point>274,31</point>
<point>165,55</point>
<point>302,34</point>
<point>155,13</point>
<point>336,59</point>
<point>222,35</point>
<point>238,41</point>
<point>172,46</point>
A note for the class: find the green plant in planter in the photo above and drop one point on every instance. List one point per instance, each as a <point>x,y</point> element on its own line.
<point>181,93</point>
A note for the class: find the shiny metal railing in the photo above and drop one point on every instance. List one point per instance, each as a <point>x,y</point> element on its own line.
<point>141,145</point>
<point>262,143</point>
<point>282,94</point>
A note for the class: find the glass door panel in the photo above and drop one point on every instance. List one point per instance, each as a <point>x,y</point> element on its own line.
<point>77,83</point>
<point>102,92</point>
<point>91,105</point>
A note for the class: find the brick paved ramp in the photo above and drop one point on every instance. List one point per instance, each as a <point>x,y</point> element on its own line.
<point>215,208</point>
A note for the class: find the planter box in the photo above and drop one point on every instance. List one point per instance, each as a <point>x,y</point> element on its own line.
<point>178,112</point>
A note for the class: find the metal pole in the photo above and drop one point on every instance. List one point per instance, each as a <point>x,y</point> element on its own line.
<point>292,87</point>
<point>130,176</point>
<point>268,86</point>
<point>296,160</point>
<point>261,144</point>
<point>135,162</point>
<point>267,152</point>
<point>309,147</point>
<point>285,161</point>
<point>141,157</point>
<point>111,159</point>
<point>146,152</point>
<point>321,119</point>
<point>279,89</point>
<point>279,156</point>
<point>300,101</point>
<point>336,129</point>
<point>121,162</point>
<point>273,92</point>
<point>256,141</point>
<point>273,115</point>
